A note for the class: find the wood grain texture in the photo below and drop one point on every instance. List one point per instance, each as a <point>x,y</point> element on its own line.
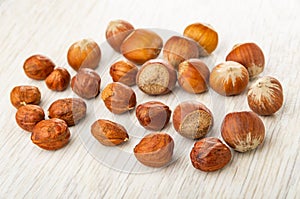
<point>50,27</point>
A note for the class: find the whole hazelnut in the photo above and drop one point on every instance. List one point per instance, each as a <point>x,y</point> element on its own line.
<point>141,45</point>
<point>124,72</point>
<point>86,83</point>
<point>118,98</point>
<point>229,78</point>
<point>116,32</point>
<point>156,77</point>
<point>192,119</point>
<point>249,55</point>
<point>155,149</point>
<point>38,67</point>
<point>265,96</point>
<point>23,95</point>
<point>210,154</point>
<point>193,76</point>
<point>71,110</point>
<point>58,80</point>
<point>84,54</point>
<point>153,115</point>
<point>243,131</point>
<point>28,116</point>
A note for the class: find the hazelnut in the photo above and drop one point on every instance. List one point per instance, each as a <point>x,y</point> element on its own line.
<point>84,54</point>
<point>124,72</point>
<point>192,119</point>
<point>51,134</point>
<point>116,32</point>
<point>38,67</point>
<point>28,116</point>
<point>193,76</point>
<point>204,35</point>
<point>250,56</point>
<point>86,83</point>
<point>243,131</point>
<point>71,110</point>
<point>177,49</point>
<point>58,80</point>
<point>118,98</point>
<point>109,133</point>
<point>155,149</point>
<point>141,45</point>
<point>153,115</point>
<point>265,96</point>
<point>156,77</point>
<point>229,78</point>
<point>210,154</point>
<point>22,95</point>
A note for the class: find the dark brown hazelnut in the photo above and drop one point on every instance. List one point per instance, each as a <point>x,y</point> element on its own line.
<point>28,116</point>
<point>38,67</point>
<point>58,80</point>
<point>22,95</point>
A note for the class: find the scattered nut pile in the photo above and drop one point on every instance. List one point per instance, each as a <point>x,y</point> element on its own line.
<point>242,131</point>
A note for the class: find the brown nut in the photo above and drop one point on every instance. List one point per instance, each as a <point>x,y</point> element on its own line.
<point>192,119</point>
<point>71,110</point>
<point>58,80</point>
<point>177,49</point>
<point>229,78</point>
<point>249,55</point>
<point>51,134</point>
<point>156,77</point>
<point>38,67</point>
<point>193,76</point>
<point>243,131</point>
<point>109,133</point>
<point>84,54</point>
<point>265,96</point>
<point>141,45</point>
<point>124,72</point>
<point>118,98</point>
<point>28,116</point>
<point>155,150</point>
<point>23,95</point>
<point>153,115</point>
<point>210,154</point>
<point>116,32</point>
<point>86,83</point>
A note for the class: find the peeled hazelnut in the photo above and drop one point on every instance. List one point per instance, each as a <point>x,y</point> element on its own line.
<point>84,54</point>
<point>193,76</point>
<point>124,72</point>
<point>243,131</point>
<point>28,116</point>
<point>210,154</point>
<point>156,77</point>
<point>177,49</point>
<point>116,32</point>
<point>51,134</point>
<point>71,110</point>
<point>109,133</point>
<point>192,119</point>
<point>155,150</point>
<point>86,83</point>
<point>153,115</point>
<point>141,45</point>
<point>204,35</point>
<point>38,67</point>
<point>250,56</point>
<point>58,80</point>
<point>22,95</point>
<point>229,78</point>
<point>118,98</point>
<point>265,96</point>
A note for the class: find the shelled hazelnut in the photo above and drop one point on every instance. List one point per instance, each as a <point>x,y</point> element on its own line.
<point>58,80</point>
<point>28,116</point>
<point>124,72</point>
<point>23,95</point>
<point>38,67</point>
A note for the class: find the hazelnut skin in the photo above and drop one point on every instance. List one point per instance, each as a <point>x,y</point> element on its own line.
<point>38,67</point>
<point>23,95</point>
<point>28,116</point>
<point>124,72</point>
<point>58,80</point>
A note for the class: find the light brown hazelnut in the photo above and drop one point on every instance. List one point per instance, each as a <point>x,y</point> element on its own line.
<point>243,131</point>
<point>23,95</point>
<point>28,116</point>
<point>58,80</point>
<point>38,67</point>
<point>155,149</point>
<point>124,72</point>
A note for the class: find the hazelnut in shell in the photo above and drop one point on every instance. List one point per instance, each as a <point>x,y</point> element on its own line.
<point>124,72</point>
<point>38,67</point>
<point>23,95</point>
<point>58,80</point>
<point>28,116</point>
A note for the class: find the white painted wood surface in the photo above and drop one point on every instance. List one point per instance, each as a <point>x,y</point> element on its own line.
<point>50,27</point>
